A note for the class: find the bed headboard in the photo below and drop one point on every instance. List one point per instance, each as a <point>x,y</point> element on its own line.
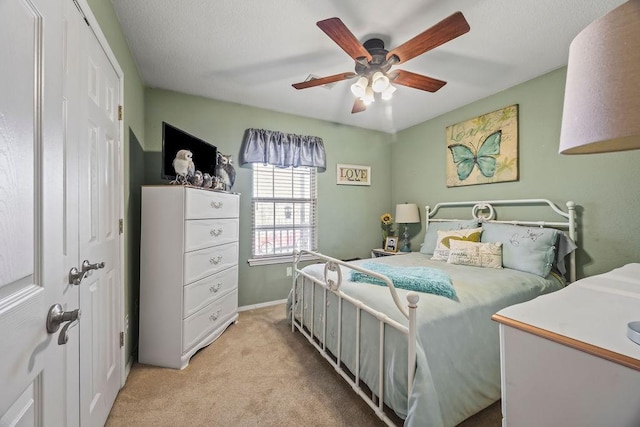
<point>485,211</point>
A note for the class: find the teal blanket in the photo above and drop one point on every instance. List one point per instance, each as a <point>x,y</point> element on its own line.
<point>419,279</point>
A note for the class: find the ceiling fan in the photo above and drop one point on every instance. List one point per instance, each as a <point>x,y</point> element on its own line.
<point>373,61</point>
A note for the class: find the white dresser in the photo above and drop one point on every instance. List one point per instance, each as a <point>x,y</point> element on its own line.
<point>566,359</point>
<point>188,271</point>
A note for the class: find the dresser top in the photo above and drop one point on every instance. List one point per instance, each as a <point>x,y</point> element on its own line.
<point>593,311</point>
<point>189,186</point>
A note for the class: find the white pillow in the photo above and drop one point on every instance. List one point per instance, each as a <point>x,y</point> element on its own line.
<point>441,252</point>
<point>476,254</point>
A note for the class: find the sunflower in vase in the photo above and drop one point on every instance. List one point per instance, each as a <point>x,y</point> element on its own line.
<point>386,223</point>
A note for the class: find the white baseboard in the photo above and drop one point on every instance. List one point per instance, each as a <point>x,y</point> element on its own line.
<point>125,371</point>
<point>261,305</point>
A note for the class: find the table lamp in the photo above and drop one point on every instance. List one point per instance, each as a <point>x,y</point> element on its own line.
<point>407,213</point>
<point>602,94</point>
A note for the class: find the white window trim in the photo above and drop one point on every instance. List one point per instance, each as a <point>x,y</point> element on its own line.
<point>284,259</point>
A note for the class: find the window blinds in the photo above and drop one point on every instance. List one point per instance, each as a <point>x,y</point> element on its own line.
<point>284,206</point>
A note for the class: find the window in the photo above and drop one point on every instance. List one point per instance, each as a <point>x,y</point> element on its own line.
<point>284,206</point>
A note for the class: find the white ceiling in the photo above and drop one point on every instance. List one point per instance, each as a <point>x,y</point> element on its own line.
<point>252,51</point>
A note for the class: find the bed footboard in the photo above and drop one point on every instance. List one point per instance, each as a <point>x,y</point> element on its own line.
<point>308,286</point>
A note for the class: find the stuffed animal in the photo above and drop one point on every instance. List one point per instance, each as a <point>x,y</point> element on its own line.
<point>207,180</point>
<point>218,184</point>
<point>184,166</point>
<point>225,170</point>
<point>197,179</point>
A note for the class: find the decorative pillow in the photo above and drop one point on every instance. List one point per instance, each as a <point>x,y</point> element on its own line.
<point>476,254</point>
<point>441,252</point>
<point>529,249</point>
<point>431,236</point>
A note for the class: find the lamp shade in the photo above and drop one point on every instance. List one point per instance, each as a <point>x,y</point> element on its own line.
<point>388,92</point>
<point>602,94</point>
<point>368,98</point>
<point>379,82</point>
<point>359,87</point>
<point>407,213</point>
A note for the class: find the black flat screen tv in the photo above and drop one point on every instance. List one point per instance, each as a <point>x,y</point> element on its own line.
<point>205,155</point>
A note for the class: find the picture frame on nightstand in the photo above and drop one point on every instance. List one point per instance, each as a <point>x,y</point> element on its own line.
<point>391,244</point>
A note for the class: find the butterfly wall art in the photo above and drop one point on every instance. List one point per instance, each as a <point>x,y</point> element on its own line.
<point>483,150</point>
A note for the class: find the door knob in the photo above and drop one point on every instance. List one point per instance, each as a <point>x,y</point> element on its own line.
<point>87,266</point>
<point>57,316</point>
<point>64,333</point>
<point>75,276</point>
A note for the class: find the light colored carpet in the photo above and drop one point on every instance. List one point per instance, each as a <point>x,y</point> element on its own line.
<point>257,373</point>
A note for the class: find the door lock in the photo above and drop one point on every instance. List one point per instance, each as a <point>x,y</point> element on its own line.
<point>75,276</point>
<point>58,316</point>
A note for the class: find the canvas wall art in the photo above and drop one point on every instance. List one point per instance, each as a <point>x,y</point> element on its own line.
<point>483,150</point>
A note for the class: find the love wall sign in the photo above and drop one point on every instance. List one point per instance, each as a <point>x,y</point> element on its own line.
<point>483,150</point>
<point>353,175</point>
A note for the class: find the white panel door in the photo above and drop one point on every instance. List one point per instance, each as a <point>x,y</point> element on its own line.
<point>92,88</point>
<point>32,276</point>
<point>71,113</point>
<point>99,237</point>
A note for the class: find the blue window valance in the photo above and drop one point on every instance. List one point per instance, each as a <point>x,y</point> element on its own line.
<point>282,149</point>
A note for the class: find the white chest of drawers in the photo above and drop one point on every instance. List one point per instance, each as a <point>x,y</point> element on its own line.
<point>188,271</point>
<point>565,356</point>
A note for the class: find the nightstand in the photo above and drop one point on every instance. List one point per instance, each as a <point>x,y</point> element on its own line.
<point>379,252</point>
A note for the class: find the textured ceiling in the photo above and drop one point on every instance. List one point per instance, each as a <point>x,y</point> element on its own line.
<point>251,51</point>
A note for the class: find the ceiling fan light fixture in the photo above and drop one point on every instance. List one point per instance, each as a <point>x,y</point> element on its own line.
<point>388,92</point>
<point>379,82</point>
<point>368,96</point>
<point>373,61</point>
<point>359,88</point>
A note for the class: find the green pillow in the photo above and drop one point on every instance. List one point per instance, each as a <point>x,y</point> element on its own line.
<point>529,249</point>
<point>431,236</point>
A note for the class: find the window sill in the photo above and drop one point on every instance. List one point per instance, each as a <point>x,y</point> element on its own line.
<point>285,259</point>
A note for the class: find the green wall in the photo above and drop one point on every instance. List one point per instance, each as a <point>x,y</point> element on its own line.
<point>604,186</point>
<point>348,216</point>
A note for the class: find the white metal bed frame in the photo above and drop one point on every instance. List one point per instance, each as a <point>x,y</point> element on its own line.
<point>483,211</point>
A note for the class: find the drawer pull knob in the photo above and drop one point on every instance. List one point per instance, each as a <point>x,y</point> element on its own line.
<point>215,288</point>
<point>215,260</point>
<point>214,316</point>
<point>216,233</point>
<point>216,205</point>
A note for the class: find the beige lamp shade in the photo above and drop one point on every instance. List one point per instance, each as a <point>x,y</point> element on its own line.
<point>407,213</point>
<point>602,94</point>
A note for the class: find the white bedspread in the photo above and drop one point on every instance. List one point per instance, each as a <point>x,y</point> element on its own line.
<point>458,357</point>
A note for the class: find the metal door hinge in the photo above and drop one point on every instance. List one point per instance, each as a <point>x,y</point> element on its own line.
<point>121,339</point>
<point>120,112</point>
<point>121,226</point>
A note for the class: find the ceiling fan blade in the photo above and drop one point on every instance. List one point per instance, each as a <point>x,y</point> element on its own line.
<point>339,33</point>
<point>358,106</point>
<point>416,81</point>
<point>323,80</point>
<point>448,29</point>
